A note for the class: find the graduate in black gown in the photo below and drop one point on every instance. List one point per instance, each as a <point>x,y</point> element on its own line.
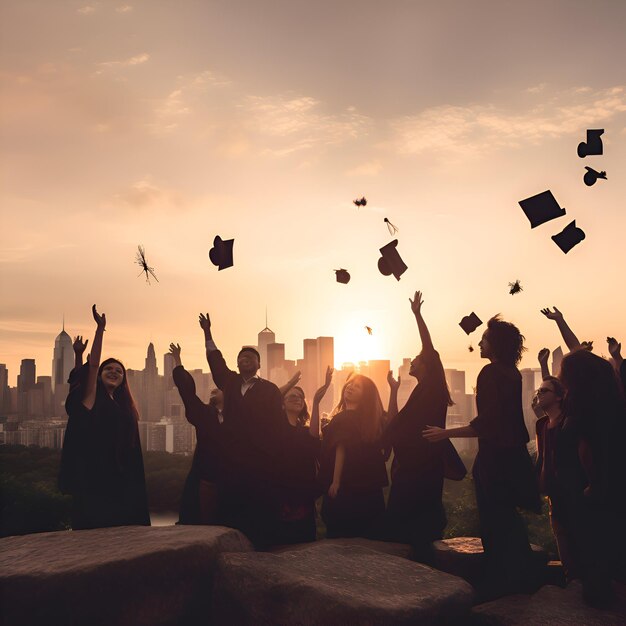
<point>101,461</point>
<point>504,476</point>
<point>253,437</point>
<point>591,472</point>
<point>352,467</point>
<point>301,453</point>
<point>199,503</point>
<point>415,512</point>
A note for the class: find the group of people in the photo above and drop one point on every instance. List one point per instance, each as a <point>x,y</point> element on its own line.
<point>262,461</point>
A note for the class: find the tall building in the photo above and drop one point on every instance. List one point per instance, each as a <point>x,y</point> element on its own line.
<point>378,371</point>
<point>168,368</point>
<point>529,387</point>
<point>152,397</point>
<point>25,382</point>
<point>62,365</point>
<point>557,357</point>
<point>276,371</point>
<point>62,359</point>
<point>265,338</point>
<point>4,390</point>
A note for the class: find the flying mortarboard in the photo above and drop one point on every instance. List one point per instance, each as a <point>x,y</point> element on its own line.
<point>343,276</point>
<point>221,254</point>
<point>593,146</point>
<point>470,323</point>
<point>591,176</point>
<point>541,208</point>
<point>570,236</point>
<point>360,202</point>
<point>390,261</point>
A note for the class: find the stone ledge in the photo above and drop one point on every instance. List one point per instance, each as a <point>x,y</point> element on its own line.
<point>550,606</point>
<point>330,583</point>
<point>130,575</point>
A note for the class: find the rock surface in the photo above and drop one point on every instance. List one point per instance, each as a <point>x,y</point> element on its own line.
<point>330,583</point>
<point>462,556</point>
<point>402,550</point>
<point>550,606</point>
<point>129,575</point>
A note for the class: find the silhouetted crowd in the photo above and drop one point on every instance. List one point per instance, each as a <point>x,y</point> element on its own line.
<point>262,460</point>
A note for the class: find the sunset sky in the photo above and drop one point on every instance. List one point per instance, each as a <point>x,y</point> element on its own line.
<point>167,123</point>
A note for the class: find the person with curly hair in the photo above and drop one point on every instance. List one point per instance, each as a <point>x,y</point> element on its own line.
<point>504,476</point>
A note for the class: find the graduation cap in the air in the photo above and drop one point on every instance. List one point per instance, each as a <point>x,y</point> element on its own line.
<point>391,262</point>
<point>342,276</point>
<point>570,236</point>
<point>221,254</point>
<point>593,146</point>
<point>369,330</point>
<point>470,323</point>
<point>541,208</point>
<point>360,202</point>
<point>591,176</point>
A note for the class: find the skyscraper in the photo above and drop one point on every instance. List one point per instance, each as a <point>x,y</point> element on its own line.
<point>62,359</point>
<point>4,389</point>
<point>265,337</point>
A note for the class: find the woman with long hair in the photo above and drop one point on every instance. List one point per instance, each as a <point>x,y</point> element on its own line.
<point>415,512</point>
<point>504,476</point>
<point>591,471</point>
<point>352,468</point>
<point>298,485</point>
<point>101,462</point>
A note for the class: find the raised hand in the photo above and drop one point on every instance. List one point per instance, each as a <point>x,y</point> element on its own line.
<point>543,356</point>
<point>321,392</point>
<point>615,348</point>
<point>552,315</point>
<point>101,320</point>
<point>205,322</point>
<point>393,383</point>
<point>333,490</point>
<point>79,345</point>
<point>175,352</point>
<point>416,303</point>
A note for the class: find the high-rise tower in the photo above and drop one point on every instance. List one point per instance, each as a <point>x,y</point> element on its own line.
<point>265,337</point>
<point>62,359</point>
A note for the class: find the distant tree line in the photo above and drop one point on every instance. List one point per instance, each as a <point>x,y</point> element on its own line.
<point>30,500</point>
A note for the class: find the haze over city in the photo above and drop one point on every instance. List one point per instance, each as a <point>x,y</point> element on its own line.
<point>167,124</point>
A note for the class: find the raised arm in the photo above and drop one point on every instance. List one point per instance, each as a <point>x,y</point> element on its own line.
<point>205,324</point>
<point>195,409</point>
<point>219,369</point>
<point>394,385</point>
<point>79,348</point>
<point>315,429</point>
<point>571,341</point>
<point>89,395</point>
<point>292,382</point>
<point>615,350</point>
<point>416,307</point>
<point>542,357</point>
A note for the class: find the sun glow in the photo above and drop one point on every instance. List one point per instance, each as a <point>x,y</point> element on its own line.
<point>354,343</point>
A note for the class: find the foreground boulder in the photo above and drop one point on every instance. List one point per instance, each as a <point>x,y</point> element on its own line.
<point>550,606</point>
<point>334,583</point>
<point>385,547</point>
<point>463,556</point>
<point>130,575</point>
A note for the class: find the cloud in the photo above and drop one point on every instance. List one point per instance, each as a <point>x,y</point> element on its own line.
<point>368,168</point>
<point>144,194</point>
<point>86,10</point>
<point>126,8</point>
<point>298,123</point>
<point>479,128</point>
<point>138,59</point>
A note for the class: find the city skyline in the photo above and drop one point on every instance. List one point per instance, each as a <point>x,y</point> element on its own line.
<point>166,125</point>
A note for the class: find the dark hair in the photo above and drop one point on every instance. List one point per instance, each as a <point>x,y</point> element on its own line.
<point>557,385</point>
<point>370,408</point>
<point>303,416</point>
<point>250,349</point>
<point>434,374</point>
<point>123,397</point>
<point>506,341</point>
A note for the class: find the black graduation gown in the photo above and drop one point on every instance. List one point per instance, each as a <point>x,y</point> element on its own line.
<point>101,463</point>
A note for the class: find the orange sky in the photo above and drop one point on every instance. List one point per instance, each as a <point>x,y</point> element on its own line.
<point>166,124</point>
